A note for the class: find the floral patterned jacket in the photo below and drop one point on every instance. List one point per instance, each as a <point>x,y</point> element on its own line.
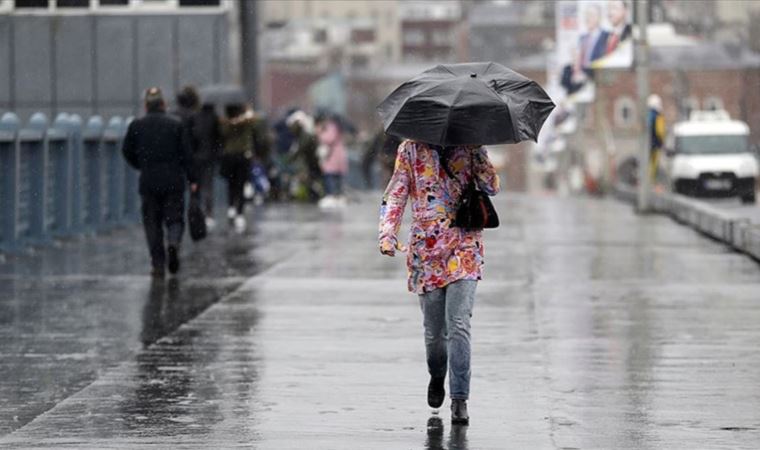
<point>438,253</point>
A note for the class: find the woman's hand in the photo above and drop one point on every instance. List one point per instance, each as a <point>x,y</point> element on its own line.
<point>388,247</point>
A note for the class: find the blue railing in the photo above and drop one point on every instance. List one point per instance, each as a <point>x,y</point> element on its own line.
<point>62,179</point>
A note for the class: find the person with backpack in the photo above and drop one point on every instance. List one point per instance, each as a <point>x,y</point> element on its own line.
<point>238,132</point>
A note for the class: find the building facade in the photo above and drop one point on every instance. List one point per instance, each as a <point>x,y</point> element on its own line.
<point>432,31</point>
<point>383,15</point>
<point>97,56</point>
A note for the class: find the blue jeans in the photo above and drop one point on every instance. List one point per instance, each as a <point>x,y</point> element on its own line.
<point>446,316</point>
<point>333,184</point>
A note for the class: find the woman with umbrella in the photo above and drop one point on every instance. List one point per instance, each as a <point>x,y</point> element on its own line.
<point>446,115</point>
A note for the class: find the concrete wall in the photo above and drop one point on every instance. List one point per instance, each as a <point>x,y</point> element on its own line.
<point>101,63</point>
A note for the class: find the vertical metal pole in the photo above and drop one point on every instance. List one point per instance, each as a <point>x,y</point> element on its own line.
<point>642,84</point>
<point>249,49</point>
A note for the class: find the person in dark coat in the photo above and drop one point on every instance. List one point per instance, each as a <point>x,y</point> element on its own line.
<point>187,104</point>
<point>206,145</point>
<point>155,145</point>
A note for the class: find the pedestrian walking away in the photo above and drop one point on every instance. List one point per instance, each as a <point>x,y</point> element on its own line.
<point>187,103</point>
<point>237,133</point>
<point>206,144</point>
<point>303,155</point>
<point>438,168</point>
<point>333,160</point>
<point>155,145</point>
<point>443,262</point>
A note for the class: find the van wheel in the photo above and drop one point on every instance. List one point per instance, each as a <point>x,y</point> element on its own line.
<point>748,198</point>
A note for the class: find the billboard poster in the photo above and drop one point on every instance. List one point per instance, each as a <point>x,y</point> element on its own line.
<point>591,35</point>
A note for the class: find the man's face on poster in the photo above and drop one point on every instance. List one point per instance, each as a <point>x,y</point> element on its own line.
<point>617,13</point>
<point>592,17</point>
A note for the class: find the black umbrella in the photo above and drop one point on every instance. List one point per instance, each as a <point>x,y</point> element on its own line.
<point>463,104</point>
<point>223,94</point>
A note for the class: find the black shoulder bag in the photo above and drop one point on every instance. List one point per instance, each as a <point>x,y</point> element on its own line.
<point>475,211</point>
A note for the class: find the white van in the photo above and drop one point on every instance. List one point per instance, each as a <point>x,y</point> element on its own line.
<point>710,156</point>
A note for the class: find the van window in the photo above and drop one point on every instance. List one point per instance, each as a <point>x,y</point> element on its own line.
<point>714,144</point>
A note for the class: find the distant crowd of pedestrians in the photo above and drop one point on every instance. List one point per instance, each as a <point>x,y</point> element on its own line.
<point>299,158</point>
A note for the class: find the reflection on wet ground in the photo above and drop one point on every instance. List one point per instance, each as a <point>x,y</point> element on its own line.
<point>593,328</point>
<point>457,439</point>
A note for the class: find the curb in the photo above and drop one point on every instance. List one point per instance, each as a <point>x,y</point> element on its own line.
<point>737,232</point>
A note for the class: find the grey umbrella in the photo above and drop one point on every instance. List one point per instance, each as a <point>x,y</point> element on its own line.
<point>463,104</point>
<point>222,94</point>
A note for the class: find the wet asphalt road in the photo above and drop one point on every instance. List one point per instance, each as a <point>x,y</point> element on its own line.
<point>593,328</point>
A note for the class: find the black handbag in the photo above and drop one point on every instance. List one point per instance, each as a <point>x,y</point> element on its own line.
<point>476,210</point>
<point>196,219</point>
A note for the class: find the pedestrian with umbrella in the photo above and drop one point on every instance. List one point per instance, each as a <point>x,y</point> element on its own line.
<point>445,115</point>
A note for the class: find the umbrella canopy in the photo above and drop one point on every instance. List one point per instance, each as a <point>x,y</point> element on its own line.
<point>223,94</point>
<point>467,104</point>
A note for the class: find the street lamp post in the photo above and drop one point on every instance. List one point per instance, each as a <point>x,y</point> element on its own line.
<point>642,84</point>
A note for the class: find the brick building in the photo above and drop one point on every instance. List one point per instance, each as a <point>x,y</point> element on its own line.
<point>432,31</point>
<point>702,76</point>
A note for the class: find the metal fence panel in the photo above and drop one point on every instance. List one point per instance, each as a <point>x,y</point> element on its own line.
<point>130,195</point>
<point>9,125</point>
<point>32,179</point>
<point>113,164</point>
<point>74,125</point>
<point>58,189</point>
<point>92,171</point>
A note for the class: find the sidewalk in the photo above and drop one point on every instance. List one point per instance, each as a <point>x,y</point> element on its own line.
<point>593,328</point>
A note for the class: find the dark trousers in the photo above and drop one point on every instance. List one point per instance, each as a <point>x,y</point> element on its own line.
<point>206,188</point>
<point>333,184</point>
<point>161,209</point>
<point>236,169</point>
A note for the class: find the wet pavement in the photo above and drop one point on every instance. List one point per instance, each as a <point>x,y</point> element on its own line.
<point>593,328</point>
<point>750,212</point>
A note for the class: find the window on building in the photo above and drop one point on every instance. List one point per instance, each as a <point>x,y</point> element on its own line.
<point>713,103</point>
<point>320,36</point>
<point>32,3</point>
<point>625,112</point>
<point>72,3</point>
<point>360,36</point>
<point>359,61</point>
<point>199,2</point>
<point>414,37</point>
<point>114,2</point>
<point>154,2</point>
<point>440,37</point>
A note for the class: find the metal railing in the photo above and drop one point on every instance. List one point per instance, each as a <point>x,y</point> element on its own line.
<point>63,179</point>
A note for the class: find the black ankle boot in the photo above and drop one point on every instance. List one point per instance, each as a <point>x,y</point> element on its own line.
<point>436,392</point>
<point>173,259</point>
<point>459,415</point>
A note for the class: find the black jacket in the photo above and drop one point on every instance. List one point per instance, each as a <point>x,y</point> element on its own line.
<point>205,137</point>
<point>156,146</point>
